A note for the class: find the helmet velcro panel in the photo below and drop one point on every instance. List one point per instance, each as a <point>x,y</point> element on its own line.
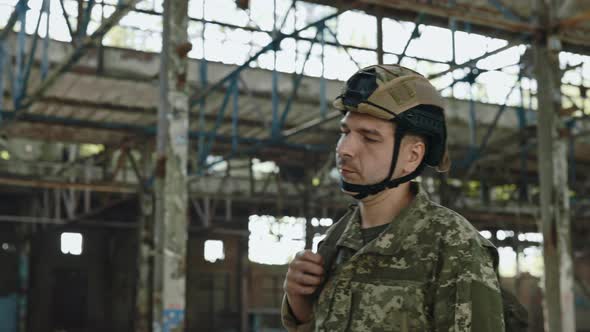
<point>406,92</point>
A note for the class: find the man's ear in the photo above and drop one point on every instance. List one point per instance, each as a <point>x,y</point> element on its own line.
<point>415,150</point>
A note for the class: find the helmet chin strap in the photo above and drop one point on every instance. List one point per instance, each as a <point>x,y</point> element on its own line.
<point>387,183</point>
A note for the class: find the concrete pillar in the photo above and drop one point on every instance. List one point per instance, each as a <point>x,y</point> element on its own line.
<point>144,286</point>
<point>171,174</point>
<point>558,301</point>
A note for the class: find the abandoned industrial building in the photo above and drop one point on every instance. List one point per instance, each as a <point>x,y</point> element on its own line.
<point>162,162</point>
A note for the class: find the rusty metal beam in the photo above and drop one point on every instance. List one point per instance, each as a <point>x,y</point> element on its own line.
<point>48,184</point>
<point>314,123</point>
<point>127,109</point>
<point>574,20</point>
<point>481,15</point>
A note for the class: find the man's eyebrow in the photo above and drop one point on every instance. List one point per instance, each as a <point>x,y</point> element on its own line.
<point>373,132</point>
<point>364,131</point>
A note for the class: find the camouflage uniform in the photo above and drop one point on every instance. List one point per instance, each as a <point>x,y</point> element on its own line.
<point>429,270</point>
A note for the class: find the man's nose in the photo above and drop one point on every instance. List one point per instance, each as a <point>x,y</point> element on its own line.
<point>345,147</point>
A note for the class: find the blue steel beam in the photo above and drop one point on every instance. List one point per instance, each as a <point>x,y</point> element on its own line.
<point>20,94</point>
<point>471,77</point>
<point>203,71</point>
<point>85,20</point>
<point>499,113</point>
<point>415,34</point>
<point>507,12</point>
<point>323,106</point>
<point>252,29</point>
<point>3,57</point>
<point>67,18</point>
<point>572,153</point>
<point>343,47</point>
<point>296,84</point>
<point>272,45</point>
<point>453,28</point>
<point>23,276</point>
<point>209,138</point>
<point>310,124</point>
<point>477,153</point>
<point>45,53</point>
<point>583,94</point>
<point>472,62</point>
<point>22,4</point>
<point>275,122</point>
<point>522,123</point>
<point>472,118</point>
<point>18,83</point>
<point>79,52</point>
<point>282,25</point>
<point>274,128</point>
<point>473,74</point>
<point>235,116</point>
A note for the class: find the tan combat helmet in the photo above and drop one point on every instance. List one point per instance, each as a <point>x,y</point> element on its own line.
<point>403,96</point>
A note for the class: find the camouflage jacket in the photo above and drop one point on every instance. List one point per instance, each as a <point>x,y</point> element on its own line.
<point>430,270</point>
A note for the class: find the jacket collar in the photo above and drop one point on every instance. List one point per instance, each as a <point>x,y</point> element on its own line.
<point>400,229</point>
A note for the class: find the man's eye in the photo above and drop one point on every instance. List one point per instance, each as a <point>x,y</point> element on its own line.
<point>369,140</point>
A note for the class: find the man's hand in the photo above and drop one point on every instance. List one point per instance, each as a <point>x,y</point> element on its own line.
<point>303,278</point>
<point>304,274</point>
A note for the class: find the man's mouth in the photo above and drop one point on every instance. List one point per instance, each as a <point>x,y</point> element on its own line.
<point>346,171</point>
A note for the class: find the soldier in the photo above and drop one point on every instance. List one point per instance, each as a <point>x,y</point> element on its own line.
<point>396,261</point>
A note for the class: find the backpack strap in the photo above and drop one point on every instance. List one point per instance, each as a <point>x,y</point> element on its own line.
<point>515,314</point>
<point>328,248</point>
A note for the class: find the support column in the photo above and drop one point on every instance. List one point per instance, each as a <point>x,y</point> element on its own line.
<point>443,189</point>
<point>171,174</point>
<point>23,280</point>
<point>243,281</point>
<point>486,198</point>
<point>306,205</point>
<point>145,242</point>
<point>24,234</point>
<point>558,301</point>
<point>380,53</point>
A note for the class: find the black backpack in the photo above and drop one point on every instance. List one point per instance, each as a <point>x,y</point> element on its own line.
<point>515,315</point>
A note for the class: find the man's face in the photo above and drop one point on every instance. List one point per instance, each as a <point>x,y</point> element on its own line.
<point>365,149</point>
